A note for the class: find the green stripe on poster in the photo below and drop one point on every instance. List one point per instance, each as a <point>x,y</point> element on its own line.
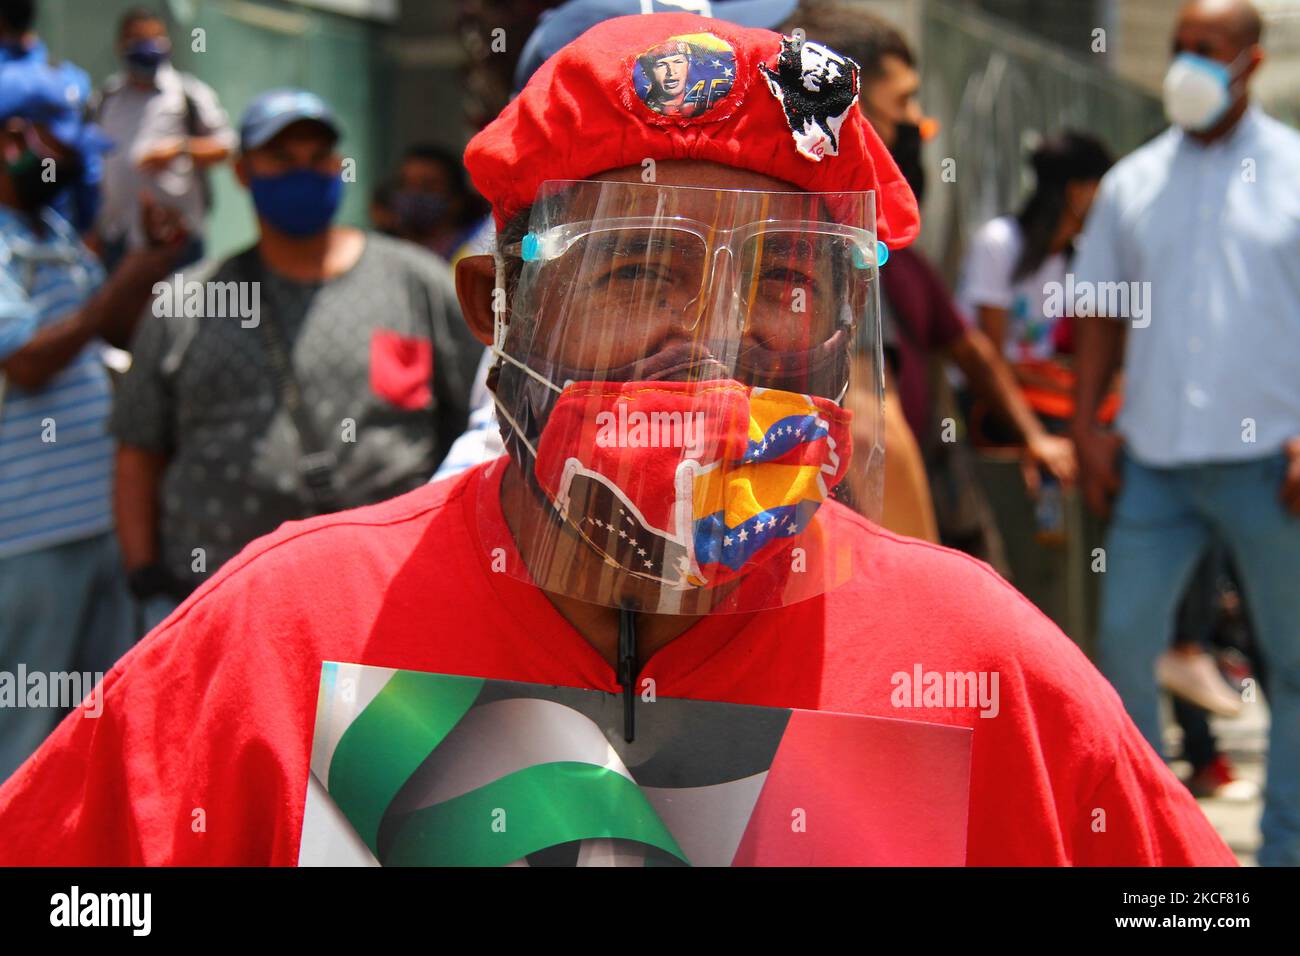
<point>527,811</point>
<point>388,740</point>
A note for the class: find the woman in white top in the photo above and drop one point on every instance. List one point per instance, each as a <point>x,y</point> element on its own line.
<point>1013,283</point>
<point>1013,260</point>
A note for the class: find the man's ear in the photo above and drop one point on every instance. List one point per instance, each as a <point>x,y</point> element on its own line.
<point>476,288</point>
<point>241,170</point>
<point>1253,61</point>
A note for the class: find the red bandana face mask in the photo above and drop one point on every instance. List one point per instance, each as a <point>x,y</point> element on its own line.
<point>690,483</point>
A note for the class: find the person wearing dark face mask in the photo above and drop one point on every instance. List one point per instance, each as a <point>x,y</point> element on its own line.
<point>891,100</point>
<point>62,589</point>
<point>926,318</point>
<point>338,378</point>
<point>433,202</point>
<point>169,128</point>
<point>28,159</point>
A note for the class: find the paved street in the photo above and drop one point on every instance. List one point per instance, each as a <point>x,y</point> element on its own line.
<point>1244,741</point>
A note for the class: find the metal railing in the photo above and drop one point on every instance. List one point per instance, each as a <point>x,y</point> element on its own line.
<point>996,89</point>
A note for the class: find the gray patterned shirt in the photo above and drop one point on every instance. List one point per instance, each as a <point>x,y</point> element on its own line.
<point>382,358</point>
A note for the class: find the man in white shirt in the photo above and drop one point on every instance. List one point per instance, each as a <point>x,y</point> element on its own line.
<point>1195,237</point>
<point>169,128</point>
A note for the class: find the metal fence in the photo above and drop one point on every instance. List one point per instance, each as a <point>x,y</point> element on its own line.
<point>996,89</point>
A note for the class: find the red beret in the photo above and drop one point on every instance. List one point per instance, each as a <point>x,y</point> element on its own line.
<point>679,86</point>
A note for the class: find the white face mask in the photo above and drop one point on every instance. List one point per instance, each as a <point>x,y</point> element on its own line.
<point>1198,90</point>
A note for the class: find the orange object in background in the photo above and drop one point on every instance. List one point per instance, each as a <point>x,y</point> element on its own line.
<point>1048,387</point>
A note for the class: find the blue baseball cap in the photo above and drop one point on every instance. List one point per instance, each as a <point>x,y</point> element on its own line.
<point>55,97</point>
<point>564,24</point>
<point>273,111</point>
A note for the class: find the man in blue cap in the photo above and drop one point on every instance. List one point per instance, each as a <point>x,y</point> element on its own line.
<point>563,24</point>
<point>20,44</point>
<point>61,583</point>
<point>322,368</point>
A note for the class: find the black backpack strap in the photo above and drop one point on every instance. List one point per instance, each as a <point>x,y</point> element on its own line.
<point>194,127</point>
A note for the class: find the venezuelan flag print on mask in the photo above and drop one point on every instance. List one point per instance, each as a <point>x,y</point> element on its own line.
<point>760,462</point>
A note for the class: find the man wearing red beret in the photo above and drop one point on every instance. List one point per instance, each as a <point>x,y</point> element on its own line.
<point>682,312</point>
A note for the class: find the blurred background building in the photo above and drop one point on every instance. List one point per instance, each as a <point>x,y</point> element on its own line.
<point>997,73</point>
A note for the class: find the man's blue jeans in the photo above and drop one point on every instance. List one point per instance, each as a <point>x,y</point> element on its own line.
<point>1163,522</point>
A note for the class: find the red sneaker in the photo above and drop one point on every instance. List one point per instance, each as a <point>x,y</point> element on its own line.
<point>1218,780</point>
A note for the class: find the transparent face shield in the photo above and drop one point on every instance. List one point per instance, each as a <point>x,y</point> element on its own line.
<point>689,387</point>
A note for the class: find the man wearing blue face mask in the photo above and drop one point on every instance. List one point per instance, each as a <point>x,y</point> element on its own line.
<point>321,369</point>
<point>169,128</point>
<point>1195,237</point>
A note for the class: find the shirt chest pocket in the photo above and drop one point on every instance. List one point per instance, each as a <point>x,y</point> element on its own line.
<point>401,369</point>
<point>1165,225</point>
<point>1265,221</point>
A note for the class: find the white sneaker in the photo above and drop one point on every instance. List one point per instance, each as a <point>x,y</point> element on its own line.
<point>1218,781</point>
<point>1195,677</point>
<point>1238,791</point>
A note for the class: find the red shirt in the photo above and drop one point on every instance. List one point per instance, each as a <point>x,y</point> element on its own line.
<point>201,753</point>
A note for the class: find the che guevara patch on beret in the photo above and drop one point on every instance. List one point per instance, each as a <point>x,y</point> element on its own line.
<point>817,88</point>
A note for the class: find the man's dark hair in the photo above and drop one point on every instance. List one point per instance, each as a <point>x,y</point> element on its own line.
<point>475,206</point>
<point>138,15</point>
<point>851,32</point>
<point>16,16</point>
